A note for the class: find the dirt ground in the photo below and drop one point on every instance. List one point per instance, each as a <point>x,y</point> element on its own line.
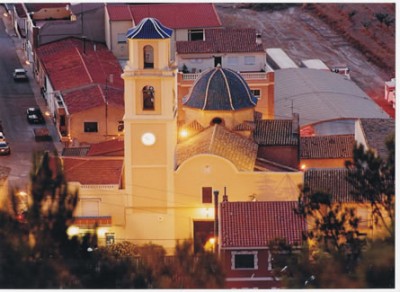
<point>339,34</point>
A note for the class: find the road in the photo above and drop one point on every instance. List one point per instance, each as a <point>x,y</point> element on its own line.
<point>15,98</point>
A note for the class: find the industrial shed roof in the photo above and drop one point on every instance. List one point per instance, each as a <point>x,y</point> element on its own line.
<point>319,95</point>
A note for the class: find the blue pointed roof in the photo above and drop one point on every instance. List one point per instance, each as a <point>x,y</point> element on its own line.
<point>149,28</point>
<point>220,89</point>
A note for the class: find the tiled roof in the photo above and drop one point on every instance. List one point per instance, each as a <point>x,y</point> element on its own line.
<point>119,12</point>
<point>220,89</point>
<point>107,148</point>
<point>375,132</point>
<point>93,171</point>
<point>78,68</point>
<point>149,28</point>
<point>245,126</point>
<point>256,224</point>
<point>222,41</point>
<point>275,132</point>
<point>332,146</point>
<point>330,180</point>
<point>173,15</point>
<point>219,141</point>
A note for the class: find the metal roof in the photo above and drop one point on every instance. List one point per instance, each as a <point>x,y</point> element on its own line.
<point>318,95</point>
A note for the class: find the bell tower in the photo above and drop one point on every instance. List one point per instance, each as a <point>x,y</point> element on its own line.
<point>150,133</point>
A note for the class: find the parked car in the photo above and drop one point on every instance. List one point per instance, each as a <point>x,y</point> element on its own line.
<point>2,137</point>
<point>34,116</point>
<point>20,74</point>
<point>4,148</point>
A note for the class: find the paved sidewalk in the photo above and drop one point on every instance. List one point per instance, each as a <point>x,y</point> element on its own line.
<point>19,48</point>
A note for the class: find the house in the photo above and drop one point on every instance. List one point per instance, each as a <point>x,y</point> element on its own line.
<point>278,141</point>
<point>83,89</point>
<point>238,49</point>
<point>327,103</point>
<point>187,20</point>
<point>245,234</point>
<point>326,151</point>
<point>372,133</point>
<point>41,23</point>
<point>333,181</point>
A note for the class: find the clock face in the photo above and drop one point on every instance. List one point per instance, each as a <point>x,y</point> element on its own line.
<point>148,139</point>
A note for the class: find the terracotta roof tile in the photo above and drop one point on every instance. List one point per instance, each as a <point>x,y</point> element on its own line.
<point>219,141</point>
<point>173,15</point>
<point>256,224</point>
<point>119,12</point>
<point>275,132</point>
<point>178,15</point>
<point>332,146</point>
<point>228,40</point>
<point>332,181</point>
<point>107,148</point>
<point>93,171</point>
<point>375,132</point>
<point>80,69</point>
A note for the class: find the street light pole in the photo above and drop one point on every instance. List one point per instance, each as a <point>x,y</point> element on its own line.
<point>216,193</point>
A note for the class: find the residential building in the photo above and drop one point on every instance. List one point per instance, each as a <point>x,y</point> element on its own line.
<point>238,49</point>
<point>187,20</point>
<point>42,23</point>
<point>246,233</point>
<point>326,151</point>
<point>81,83</point>
<point>373,133</point>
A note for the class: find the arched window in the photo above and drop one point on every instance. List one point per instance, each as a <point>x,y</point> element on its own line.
<point>148,57</point>
<point>148,98</point>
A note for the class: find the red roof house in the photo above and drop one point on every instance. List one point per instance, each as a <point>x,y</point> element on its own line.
<point>246,230</point>
<point>83,89</point>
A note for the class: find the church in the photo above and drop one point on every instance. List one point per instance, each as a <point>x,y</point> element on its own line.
<point>175,169</point>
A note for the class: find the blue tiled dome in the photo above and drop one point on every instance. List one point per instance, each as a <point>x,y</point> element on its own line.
<point>149,28</point>
<point>220,89</point>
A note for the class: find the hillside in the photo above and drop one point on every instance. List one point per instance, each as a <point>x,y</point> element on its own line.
<point>361,36</point>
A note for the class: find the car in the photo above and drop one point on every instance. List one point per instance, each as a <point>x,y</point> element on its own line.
<point>20,74</point>
<point>2,137</point>
<point>34,116</point>
<point>4,148</point>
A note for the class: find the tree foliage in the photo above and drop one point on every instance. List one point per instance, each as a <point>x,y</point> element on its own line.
<point>36,252</point>
<point>338,255</point>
